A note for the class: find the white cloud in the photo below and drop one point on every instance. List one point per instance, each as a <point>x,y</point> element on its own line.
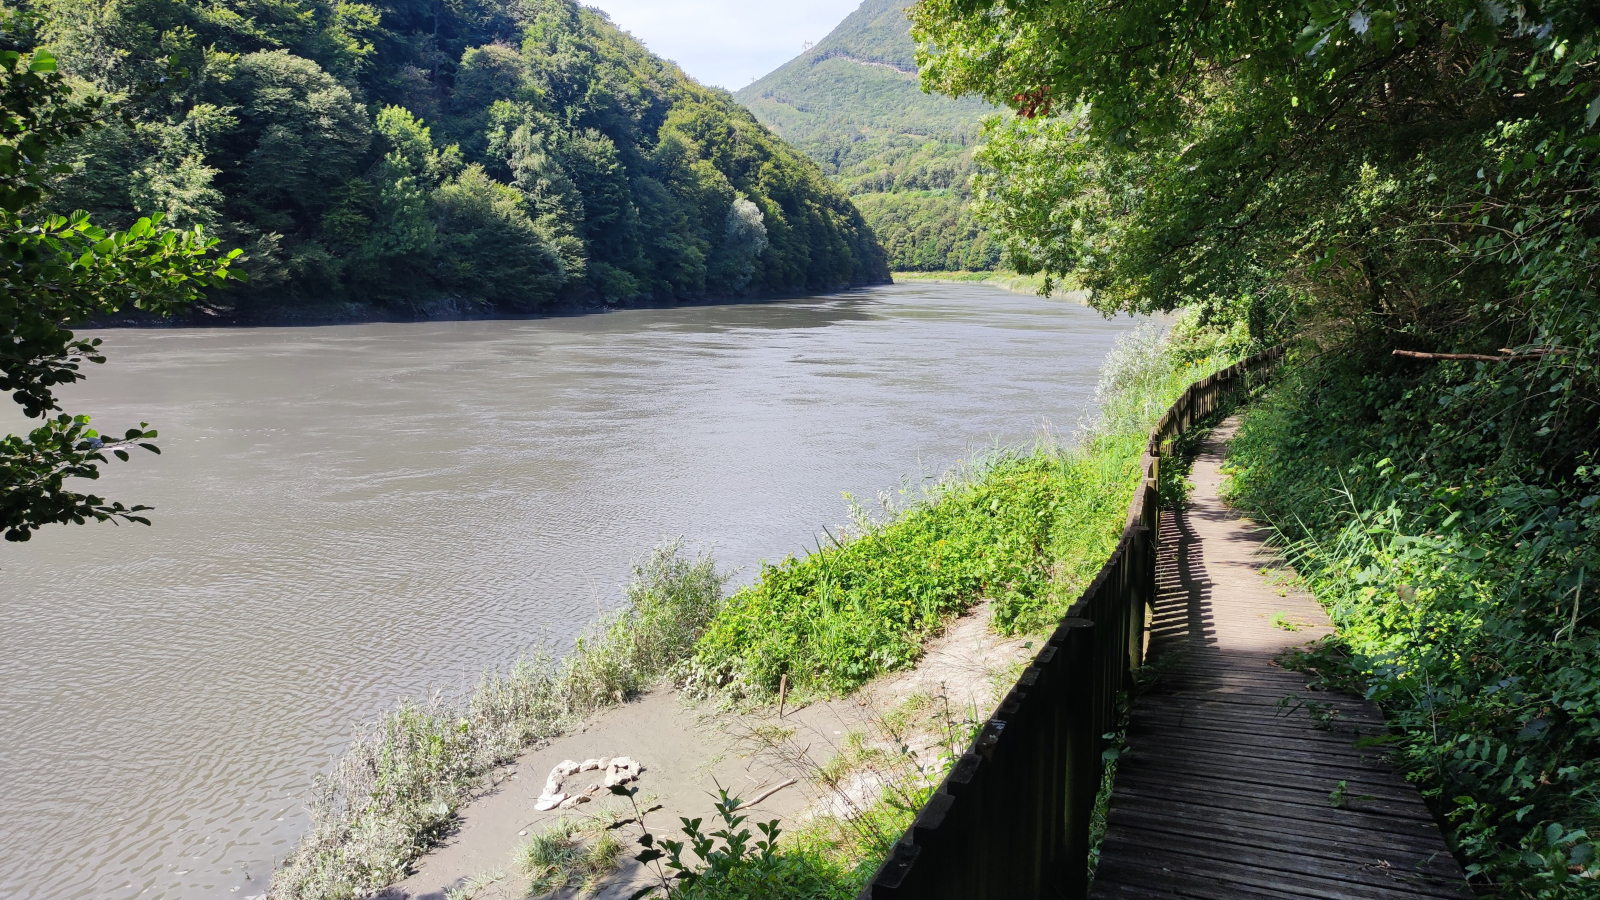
<point>728,43</point>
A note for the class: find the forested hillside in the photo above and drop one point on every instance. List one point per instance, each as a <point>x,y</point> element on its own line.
<point>854,105</point>
<point>483,154</point>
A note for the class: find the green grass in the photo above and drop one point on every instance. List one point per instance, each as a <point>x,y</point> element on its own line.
<point>566,855</point>
<point>1001,278</point>
<point>1026,530</point>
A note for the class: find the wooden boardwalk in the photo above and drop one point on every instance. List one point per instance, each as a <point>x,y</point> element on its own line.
<point>1222,795</point>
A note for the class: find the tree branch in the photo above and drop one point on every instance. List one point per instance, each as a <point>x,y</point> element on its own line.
<point>1483,357</point>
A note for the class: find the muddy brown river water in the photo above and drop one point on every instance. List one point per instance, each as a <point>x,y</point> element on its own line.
<point>349,515</point>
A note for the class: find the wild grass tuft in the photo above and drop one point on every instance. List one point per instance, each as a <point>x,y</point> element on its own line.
<point>396,791</point>
<point>568,856</point>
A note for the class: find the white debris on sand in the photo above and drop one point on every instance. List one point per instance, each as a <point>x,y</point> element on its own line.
<point>618,770</point>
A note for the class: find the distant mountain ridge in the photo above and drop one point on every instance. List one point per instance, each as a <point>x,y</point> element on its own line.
<point>877,31</point>
<point>853,103</point>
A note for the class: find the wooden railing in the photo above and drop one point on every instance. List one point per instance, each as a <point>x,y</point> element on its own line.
<point>1011,821</point>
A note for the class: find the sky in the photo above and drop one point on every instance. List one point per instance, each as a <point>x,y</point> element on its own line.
<point>727,43</point>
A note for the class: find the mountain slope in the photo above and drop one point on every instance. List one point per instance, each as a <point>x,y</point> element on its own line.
<point>853,104</point>
<point>488,153</point>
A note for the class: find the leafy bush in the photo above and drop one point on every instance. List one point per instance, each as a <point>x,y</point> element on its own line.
<point>1457,576</point>
<point>732,864</point>
<point>1022,529</point>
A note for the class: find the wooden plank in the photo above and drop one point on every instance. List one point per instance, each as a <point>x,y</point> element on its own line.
<point>1408,830</point>
<point>1245,719</point>
<point>1356,876</point>
<point>1221,704</point>
<point>1247,779</point>
<point>1266,758</point>
<point>1318,840</point>
<point>1233,790</point>
<point>1224,795</point>
<point>1106,886</point>
<point>1230,730</point>
<point>1243,731</point>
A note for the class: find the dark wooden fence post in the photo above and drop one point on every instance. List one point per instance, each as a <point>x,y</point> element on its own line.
<point>1081,753</point>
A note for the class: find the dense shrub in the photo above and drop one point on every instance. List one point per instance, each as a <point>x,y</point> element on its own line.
<point>1457,575</point>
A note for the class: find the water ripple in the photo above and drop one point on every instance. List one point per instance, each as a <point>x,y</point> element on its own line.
<point>350,515</point>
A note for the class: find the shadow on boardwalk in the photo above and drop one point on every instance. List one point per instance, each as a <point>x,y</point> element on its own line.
<point>1222,794</point>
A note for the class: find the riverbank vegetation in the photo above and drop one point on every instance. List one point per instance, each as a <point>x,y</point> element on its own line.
<point>481,156</point>
<point>396,790</point>
<point>1406,193</point>
<point>1026,530</point>
<point>1000,278</point>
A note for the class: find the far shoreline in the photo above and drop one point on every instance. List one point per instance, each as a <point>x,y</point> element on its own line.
<point>1015,282</point>
<point>353,312</point>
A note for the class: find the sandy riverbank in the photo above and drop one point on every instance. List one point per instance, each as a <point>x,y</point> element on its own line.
<point>687,749</point>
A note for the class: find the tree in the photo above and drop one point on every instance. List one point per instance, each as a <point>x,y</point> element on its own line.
<point>492,248</point>
<point>743,239</point>
<point>59,270</point>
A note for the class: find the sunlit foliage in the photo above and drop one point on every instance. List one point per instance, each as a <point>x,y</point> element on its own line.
<point>63,269</point>
<point>481,153</point>
<point>1362,178</point>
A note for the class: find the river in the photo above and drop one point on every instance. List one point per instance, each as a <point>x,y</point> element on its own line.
<point>348,515</point>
